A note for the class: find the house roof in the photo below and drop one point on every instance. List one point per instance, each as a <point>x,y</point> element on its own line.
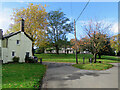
<point>15,33</point>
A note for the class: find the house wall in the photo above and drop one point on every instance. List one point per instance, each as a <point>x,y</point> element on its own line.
<point>20,50</point>
<point>4,55</point>
<point>4,43</point>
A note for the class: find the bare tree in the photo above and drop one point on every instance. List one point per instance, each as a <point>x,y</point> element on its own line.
<point>97,34</point>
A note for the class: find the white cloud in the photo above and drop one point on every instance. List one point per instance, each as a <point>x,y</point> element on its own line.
<point>5,19</point>
<point>70,36</point>
<point>115,28</point>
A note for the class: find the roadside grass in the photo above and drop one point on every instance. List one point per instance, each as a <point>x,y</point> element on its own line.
<point>24,75</point>
<point>93,66</point>
<point>71,58</point>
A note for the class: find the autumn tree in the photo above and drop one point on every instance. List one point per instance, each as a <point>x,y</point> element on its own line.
<point>72,42</point>
<point>35,17</point>
<point>96,37</point>
<point>58,28</point>
<point>115,42</point>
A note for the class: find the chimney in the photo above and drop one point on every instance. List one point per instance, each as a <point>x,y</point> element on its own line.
<point>22,25</point>
<point>1,33</point>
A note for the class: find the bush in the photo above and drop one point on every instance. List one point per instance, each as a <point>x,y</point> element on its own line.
<point>29,59</point>
<point>15,59</point>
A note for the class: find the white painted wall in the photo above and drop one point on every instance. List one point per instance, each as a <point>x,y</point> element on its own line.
<point>4,55</point>
<point>20,50</point>
<point>61,51</point>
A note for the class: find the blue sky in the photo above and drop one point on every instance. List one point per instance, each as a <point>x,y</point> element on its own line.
<point>102,11</point>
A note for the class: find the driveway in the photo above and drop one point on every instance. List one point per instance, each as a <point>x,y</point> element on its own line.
<point>63,75</point>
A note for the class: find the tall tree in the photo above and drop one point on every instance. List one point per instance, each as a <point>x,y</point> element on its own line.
<point>58,28</point>
<point>115,42</point>
<point>96,36</point>
<point>35,17</point>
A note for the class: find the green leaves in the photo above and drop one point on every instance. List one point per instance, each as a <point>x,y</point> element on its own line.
<point>115,43</point>
<point>58,27</point>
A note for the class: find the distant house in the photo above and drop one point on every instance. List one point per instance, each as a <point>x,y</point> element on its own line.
<point>15,44</point>
<point>62,50</point>
<point>85,52</point>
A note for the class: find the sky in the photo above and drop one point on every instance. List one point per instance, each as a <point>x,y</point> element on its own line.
<point>100,11</point>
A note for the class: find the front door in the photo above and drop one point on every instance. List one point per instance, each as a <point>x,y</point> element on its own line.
<point>27,54</point>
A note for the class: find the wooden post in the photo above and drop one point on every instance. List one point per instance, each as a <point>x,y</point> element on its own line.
<point>75,43</point>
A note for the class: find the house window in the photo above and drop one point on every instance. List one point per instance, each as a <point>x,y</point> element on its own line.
<point>18,42</point>
<point>13,53</point>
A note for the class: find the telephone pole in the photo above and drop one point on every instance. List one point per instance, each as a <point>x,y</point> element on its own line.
<point>75,30</point>
<point>75,42</point>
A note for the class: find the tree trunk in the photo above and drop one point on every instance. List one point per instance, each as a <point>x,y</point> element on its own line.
<point>43,49</point>
<point>99,56</point>
<point>95,57</point>
<point>57,50</point>
<point>32,49</point>
<point>65,50</point>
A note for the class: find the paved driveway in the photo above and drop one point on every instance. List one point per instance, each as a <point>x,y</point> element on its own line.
<point>63,75</point>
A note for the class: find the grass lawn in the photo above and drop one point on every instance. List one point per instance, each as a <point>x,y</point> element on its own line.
<point>24,75</point>
<point>71,58</point>
<point>93,66</point>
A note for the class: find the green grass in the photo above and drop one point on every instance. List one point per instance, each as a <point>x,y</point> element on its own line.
<point>22,75</point>
<point>93,66</point>
<point>71,58</point>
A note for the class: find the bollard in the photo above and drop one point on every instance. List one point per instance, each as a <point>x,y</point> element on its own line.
<point>90,60</point>
<point>40,60</point>
<point>83,60</point>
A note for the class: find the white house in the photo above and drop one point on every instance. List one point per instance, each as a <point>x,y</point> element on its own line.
<point>62,50</point>
<point>15,44</point>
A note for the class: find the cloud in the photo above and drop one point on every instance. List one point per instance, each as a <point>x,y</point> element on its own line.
<point>5,19</point>
<point>115,28</point>
<point>70,36</point>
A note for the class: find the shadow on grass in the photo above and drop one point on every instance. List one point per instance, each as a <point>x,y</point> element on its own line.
<point>115,58</point>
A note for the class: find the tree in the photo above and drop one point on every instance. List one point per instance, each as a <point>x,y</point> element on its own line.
<point>35,17</point>
<point>115,42</point>
<point>58,28</point>
<point>66,44</point>
<point>96,37</point>
<point>72,42</point>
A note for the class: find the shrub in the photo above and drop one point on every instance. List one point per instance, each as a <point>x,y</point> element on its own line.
<point>15,59</point>
<point>29,59</point>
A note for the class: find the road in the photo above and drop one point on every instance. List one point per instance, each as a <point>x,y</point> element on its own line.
<point>63,75</point>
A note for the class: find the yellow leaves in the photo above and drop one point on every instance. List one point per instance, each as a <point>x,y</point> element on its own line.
<point>31,4</point>
<point>45,5</point>
<point>35,21</point>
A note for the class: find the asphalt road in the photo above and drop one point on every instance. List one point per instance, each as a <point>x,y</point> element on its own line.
<point>63,75</point>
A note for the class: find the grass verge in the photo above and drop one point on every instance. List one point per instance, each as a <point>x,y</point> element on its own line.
<point>71,58</point>
<point>93,66</point>
<point>26,75</point>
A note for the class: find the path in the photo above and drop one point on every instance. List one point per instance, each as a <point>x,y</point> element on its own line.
<point>63,75</point>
